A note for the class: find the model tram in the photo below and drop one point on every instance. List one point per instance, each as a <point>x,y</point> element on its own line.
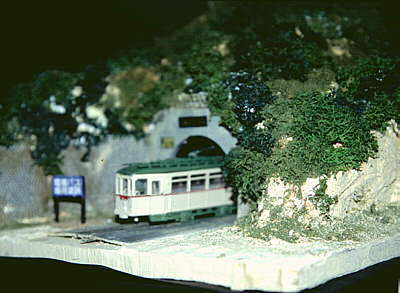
<point>177,189</point>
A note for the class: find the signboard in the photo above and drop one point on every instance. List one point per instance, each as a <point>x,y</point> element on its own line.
<point>68,186</point>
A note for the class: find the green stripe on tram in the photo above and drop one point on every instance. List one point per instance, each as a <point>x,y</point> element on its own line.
<point>172,165</point>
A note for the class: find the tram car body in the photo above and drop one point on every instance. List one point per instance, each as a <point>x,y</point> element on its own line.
<point>178,189</point>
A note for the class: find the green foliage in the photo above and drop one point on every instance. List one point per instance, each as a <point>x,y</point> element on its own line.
<point>371,88</point>
<point>239,173</point>
<point>327,138</point>
<point>369,76</point>
<point>203,63</point>
<point>271,40</point>
<point>32,110</point>
<point>147,84</point>
<point>303,133</point>
<point>249,96</point>
<point>256,139</point>
<point>321,200</point>
<point>53,83</point>
<point>367,29</point>
<point>318,80</point>
<point>288,229</point>
<point>137,103</point>
<point>129,58</point>
<point>358,226</point>
<point>381,109</point>
<point>221,104</point>
<point>281,53</point>
<point>307,136</point>
<point>8,123</point>
<point>45,110</point>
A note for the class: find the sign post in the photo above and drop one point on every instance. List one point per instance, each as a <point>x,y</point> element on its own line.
<point>68,189</point>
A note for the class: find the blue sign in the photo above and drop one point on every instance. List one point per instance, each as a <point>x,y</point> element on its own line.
<point>68,186</point>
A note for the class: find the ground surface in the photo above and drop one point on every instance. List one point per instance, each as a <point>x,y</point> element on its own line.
<point>207,253</point>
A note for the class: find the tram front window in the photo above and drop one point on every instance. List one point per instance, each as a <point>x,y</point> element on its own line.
<point>141,186</point>
<point>125,186</point>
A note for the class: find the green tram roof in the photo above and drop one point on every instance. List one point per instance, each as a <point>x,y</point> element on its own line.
<point>172,165</point>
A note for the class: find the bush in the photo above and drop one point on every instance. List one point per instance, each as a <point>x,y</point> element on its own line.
<point>239,173</point>
<point>279,54</point>
<point>249,95</point>
<point>370,87</point>
<point>326,138</point>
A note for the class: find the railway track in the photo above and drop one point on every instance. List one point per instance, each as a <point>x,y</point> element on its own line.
<point>120,234</point>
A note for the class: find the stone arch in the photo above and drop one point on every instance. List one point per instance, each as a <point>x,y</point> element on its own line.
<point>198,145</point>
<point>167,134</point>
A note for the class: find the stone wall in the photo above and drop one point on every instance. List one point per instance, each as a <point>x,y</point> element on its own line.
<point>25,190</point>
<point>23,187</point>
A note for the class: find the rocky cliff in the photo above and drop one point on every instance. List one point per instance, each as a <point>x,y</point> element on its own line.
<point>354,204</point>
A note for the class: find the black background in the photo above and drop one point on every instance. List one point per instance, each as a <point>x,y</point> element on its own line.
<point>41,35</point>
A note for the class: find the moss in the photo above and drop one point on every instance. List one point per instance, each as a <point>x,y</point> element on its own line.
<point>321,200</point>
<point>358,226</point>
<point>318,80</point>
<point>289,229</point>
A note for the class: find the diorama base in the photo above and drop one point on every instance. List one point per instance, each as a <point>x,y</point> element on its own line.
<point>218,256</point>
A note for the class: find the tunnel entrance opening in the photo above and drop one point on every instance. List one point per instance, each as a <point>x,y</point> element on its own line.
<point>199,146</point>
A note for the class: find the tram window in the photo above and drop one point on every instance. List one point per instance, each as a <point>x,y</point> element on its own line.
<point>217,182</point>
<point>216,174</point>
<point>141,186</point>
<point>198,184</point>
<point>179,178</point>
<point>178,187</point>
<point>198,175</point>
<point>155,187</point>
<point>125,186</point>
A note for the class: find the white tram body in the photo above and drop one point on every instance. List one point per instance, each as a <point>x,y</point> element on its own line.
<point>171,187</point>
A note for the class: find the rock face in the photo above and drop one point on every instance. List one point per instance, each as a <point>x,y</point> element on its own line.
<point>376,184</point>
<point>289,201</point>
<point>24,189</point>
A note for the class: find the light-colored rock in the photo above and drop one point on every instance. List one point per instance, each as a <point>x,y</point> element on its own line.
<point>277,190</point>
<point>376,183</point>
<point>339,47</point>
<point>243,209</point>
<point>215,256</point>
<point>310,186</point>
